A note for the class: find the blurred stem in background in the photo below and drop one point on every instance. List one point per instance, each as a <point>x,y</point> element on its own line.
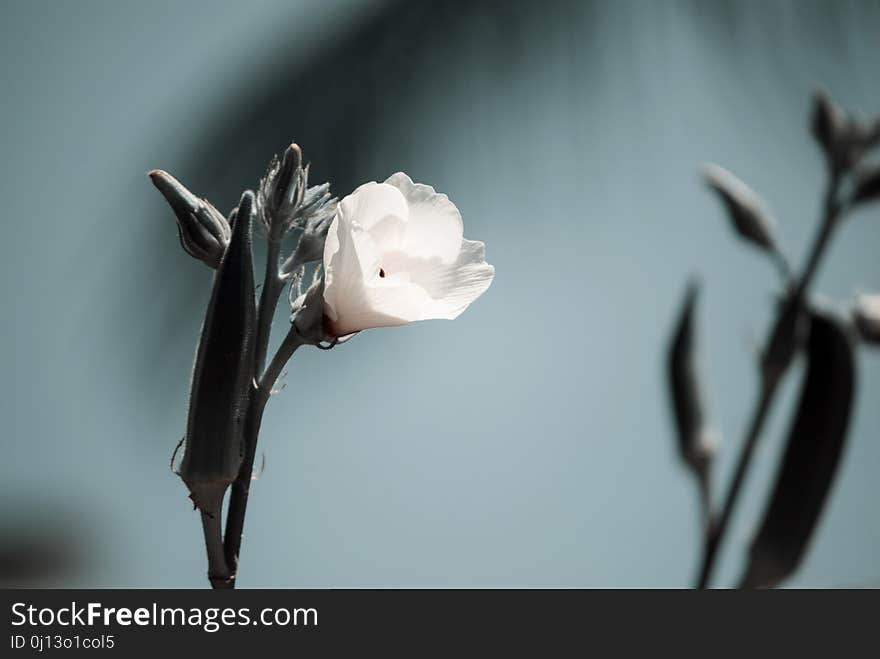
<point>773,371</point>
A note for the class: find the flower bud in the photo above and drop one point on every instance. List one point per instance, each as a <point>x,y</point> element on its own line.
<point>866,315</point>
<point>317,202</point>
<point>204,232</point>
<point>827,124</point>
<point>745,208</point>
<point>859,136</point>
<point>223,372</point>
<point>307,313</point>
<point>844,138</point>
<point>311,243</point>
<point>281,192</point>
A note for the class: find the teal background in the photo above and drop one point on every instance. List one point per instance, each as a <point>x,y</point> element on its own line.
<point>528,443</point>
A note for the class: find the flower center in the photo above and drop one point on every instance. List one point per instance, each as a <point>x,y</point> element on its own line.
<point>381,272</point>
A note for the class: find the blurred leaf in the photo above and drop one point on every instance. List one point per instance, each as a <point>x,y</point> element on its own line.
<point>685,387</point>
<point>815,444</point>
<point>866,184</point>
<point>31,558</point>
<point>745,208</point>
<point>43,543</point>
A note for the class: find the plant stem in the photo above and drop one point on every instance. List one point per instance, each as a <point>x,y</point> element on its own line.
<point>238,499</point>
<point>715,529</point>
<point>218,568</point>
<point>770,379</point>
<point>272,287</point>
<point>831,213</point>
<point>705,486</point>
<point>273,284</point>
<point>291,342</point>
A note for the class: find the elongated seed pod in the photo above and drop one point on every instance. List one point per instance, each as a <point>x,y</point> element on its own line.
<point>223,372</point>
<point>815,443</point>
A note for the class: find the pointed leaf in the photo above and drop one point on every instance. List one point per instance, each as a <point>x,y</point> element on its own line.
<point>685,389</point>
<point>815,444</point>
<point>746,210</point>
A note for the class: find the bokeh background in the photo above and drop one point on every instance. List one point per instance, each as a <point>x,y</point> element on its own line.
<point>529,442</point>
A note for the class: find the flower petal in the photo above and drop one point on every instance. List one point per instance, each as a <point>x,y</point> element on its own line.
<point>381,210</point>
<point>451,288</point>
<point>424,290</point>
<point>350,257</point>
<point>383,305</point>
<point>435,228</point>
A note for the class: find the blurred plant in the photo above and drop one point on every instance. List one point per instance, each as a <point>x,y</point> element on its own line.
<point>802,325</point>
<point>43,544</point>
<point>388,254</point>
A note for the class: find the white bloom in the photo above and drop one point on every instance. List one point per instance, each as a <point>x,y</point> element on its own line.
<point>395,253</point>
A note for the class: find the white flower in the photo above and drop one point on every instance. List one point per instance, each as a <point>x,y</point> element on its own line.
<point>395,253</point>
